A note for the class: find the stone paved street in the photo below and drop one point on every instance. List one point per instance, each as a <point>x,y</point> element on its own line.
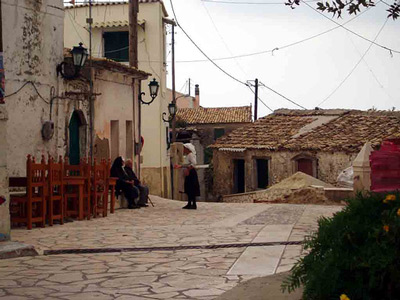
<point>150,274</point>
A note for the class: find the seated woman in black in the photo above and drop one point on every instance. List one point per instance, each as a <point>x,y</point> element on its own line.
<point>124,184</point>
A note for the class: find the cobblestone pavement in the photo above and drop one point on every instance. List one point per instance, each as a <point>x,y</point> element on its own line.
<point>175,274</point>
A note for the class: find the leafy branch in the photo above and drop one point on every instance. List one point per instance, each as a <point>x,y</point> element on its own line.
<point>336,7</point>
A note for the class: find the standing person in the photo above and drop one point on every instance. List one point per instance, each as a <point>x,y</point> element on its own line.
<point>191,185</point>
<point>124,183</point>
<point>143,189</point>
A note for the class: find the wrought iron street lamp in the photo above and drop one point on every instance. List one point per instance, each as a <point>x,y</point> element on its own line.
<point>79,56</point>
<point>172,112</point>
<point>153,87</point>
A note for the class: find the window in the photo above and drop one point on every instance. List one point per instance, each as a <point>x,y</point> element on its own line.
<point>116,45</point>
<point>218,132</point>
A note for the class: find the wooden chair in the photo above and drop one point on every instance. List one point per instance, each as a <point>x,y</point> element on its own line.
<point>55,201</point>
<point>71,208</point>
<point>86,172</point>
<point>31,208</point>
<point>99,188</point>
<point>111,183</point>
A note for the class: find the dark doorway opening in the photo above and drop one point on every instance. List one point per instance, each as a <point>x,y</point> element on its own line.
<point>238,176</point>
<point>262,173</point>
<point>74,140</point>
<point>305,165</point>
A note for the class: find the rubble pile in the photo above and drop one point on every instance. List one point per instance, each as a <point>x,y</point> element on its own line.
<point>299,188</point>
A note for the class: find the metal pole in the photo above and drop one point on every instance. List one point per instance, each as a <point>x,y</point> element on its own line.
<point>255,99</point>
<point>91,104</point>
<point>173,83</point>
<point>189,87</point>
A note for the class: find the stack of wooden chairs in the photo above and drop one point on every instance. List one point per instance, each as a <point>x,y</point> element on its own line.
<point>49,199</point>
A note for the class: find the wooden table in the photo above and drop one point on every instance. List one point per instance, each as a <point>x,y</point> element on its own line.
<point>80,183</point>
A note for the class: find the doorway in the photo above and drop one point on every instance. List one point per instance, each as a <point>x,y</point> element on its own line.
<point>305,165</point>
<point>238,176</point>
<point>74,139</point>
<point>262,173</point>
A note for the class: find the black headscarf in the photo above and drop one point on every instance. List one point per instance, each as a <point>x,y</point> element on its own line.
<point>116,167</point>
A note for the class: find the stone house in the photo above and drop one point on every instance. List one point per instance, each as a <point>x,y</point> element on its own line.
<point>110,40</point>
<point>202,127</point>
<point>320,143</point>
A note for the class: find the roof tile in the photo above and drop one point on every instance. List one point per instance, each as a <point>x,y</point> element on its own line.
<point>213,115</point>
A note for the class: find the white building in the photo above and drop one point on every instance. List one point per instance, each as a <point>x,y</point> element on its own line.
<point>110,39</point>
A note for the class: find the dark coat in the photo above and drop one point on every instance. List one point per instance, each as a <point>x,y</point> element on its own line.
<point>118,171</point>
<point>132,176</point>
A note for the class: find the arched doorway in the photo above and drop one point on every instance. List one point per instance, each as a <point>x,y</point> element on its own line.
<point>305,163</point>
<point>77,136</point>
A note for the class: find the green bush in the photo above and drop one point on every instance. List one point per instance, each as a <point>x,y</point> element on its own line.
<point>354,254</point>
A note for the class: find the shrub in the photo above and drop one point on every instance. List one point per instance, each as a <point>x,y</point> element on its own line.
<point>353,255</point>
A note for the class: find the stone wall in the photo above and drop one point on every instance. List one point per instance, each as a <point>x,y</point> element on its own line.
<point>4,197</point>
<point>31,54</point>
<point>281,165</point>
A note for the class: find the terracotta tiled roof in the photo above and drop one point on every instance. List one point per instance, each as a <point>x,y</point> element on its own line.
<point>350,132</point>
<point>111,65</point>
<point>117,3</point>
<point>342,131</point>
<point>266,133</point>
<point>213,115</point>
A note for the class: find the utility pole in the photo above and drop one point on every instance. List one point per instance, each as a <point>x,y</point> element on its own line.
<point>133,62</point>
<point>173,83</point>
<point>89,21</point>
<point>133,41</point>
<point>2,86</point>
<point>189,87</point>
<point>255,99</point>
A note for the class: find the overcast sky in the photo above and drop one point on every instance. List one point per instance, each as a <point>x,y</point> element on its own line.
<point>307,73</point>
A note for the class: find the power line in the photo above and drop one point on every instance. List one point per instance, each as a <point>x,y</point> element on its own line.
<point>187,35</point>
<point>351,31</point>
<point>222,39</point>
<point>25,84</point>
<point>369,68</point>
<point>356,65</point>
<point>284,97</point>
<point>263,51</point>
<point>260,99</point>
<point>255,3</point>
<point>272,90</point>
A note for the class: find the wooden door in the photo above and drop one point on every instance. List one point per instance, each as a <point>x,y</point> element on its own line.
<point>74,149</point>
<point>305,165</point>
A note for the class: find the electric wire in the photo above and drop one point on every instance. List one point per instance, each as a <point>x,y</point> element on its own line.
<point>351,31</point>
<point>284,97</point>
<point>222,39</point>
<point>355,66</point>
<point>252,3</point>
<point>369,68</point>
<point>263,51</point>
<point>187,35</point>
<point>260,99</point>
<point>34,87</point>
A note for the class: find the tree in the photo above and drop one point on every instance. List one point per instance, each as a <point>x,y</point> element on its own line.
<point>336,7</point>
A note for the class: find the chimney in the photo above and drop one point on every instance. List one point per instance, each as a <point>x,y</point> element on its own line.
<point>196,102</point>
